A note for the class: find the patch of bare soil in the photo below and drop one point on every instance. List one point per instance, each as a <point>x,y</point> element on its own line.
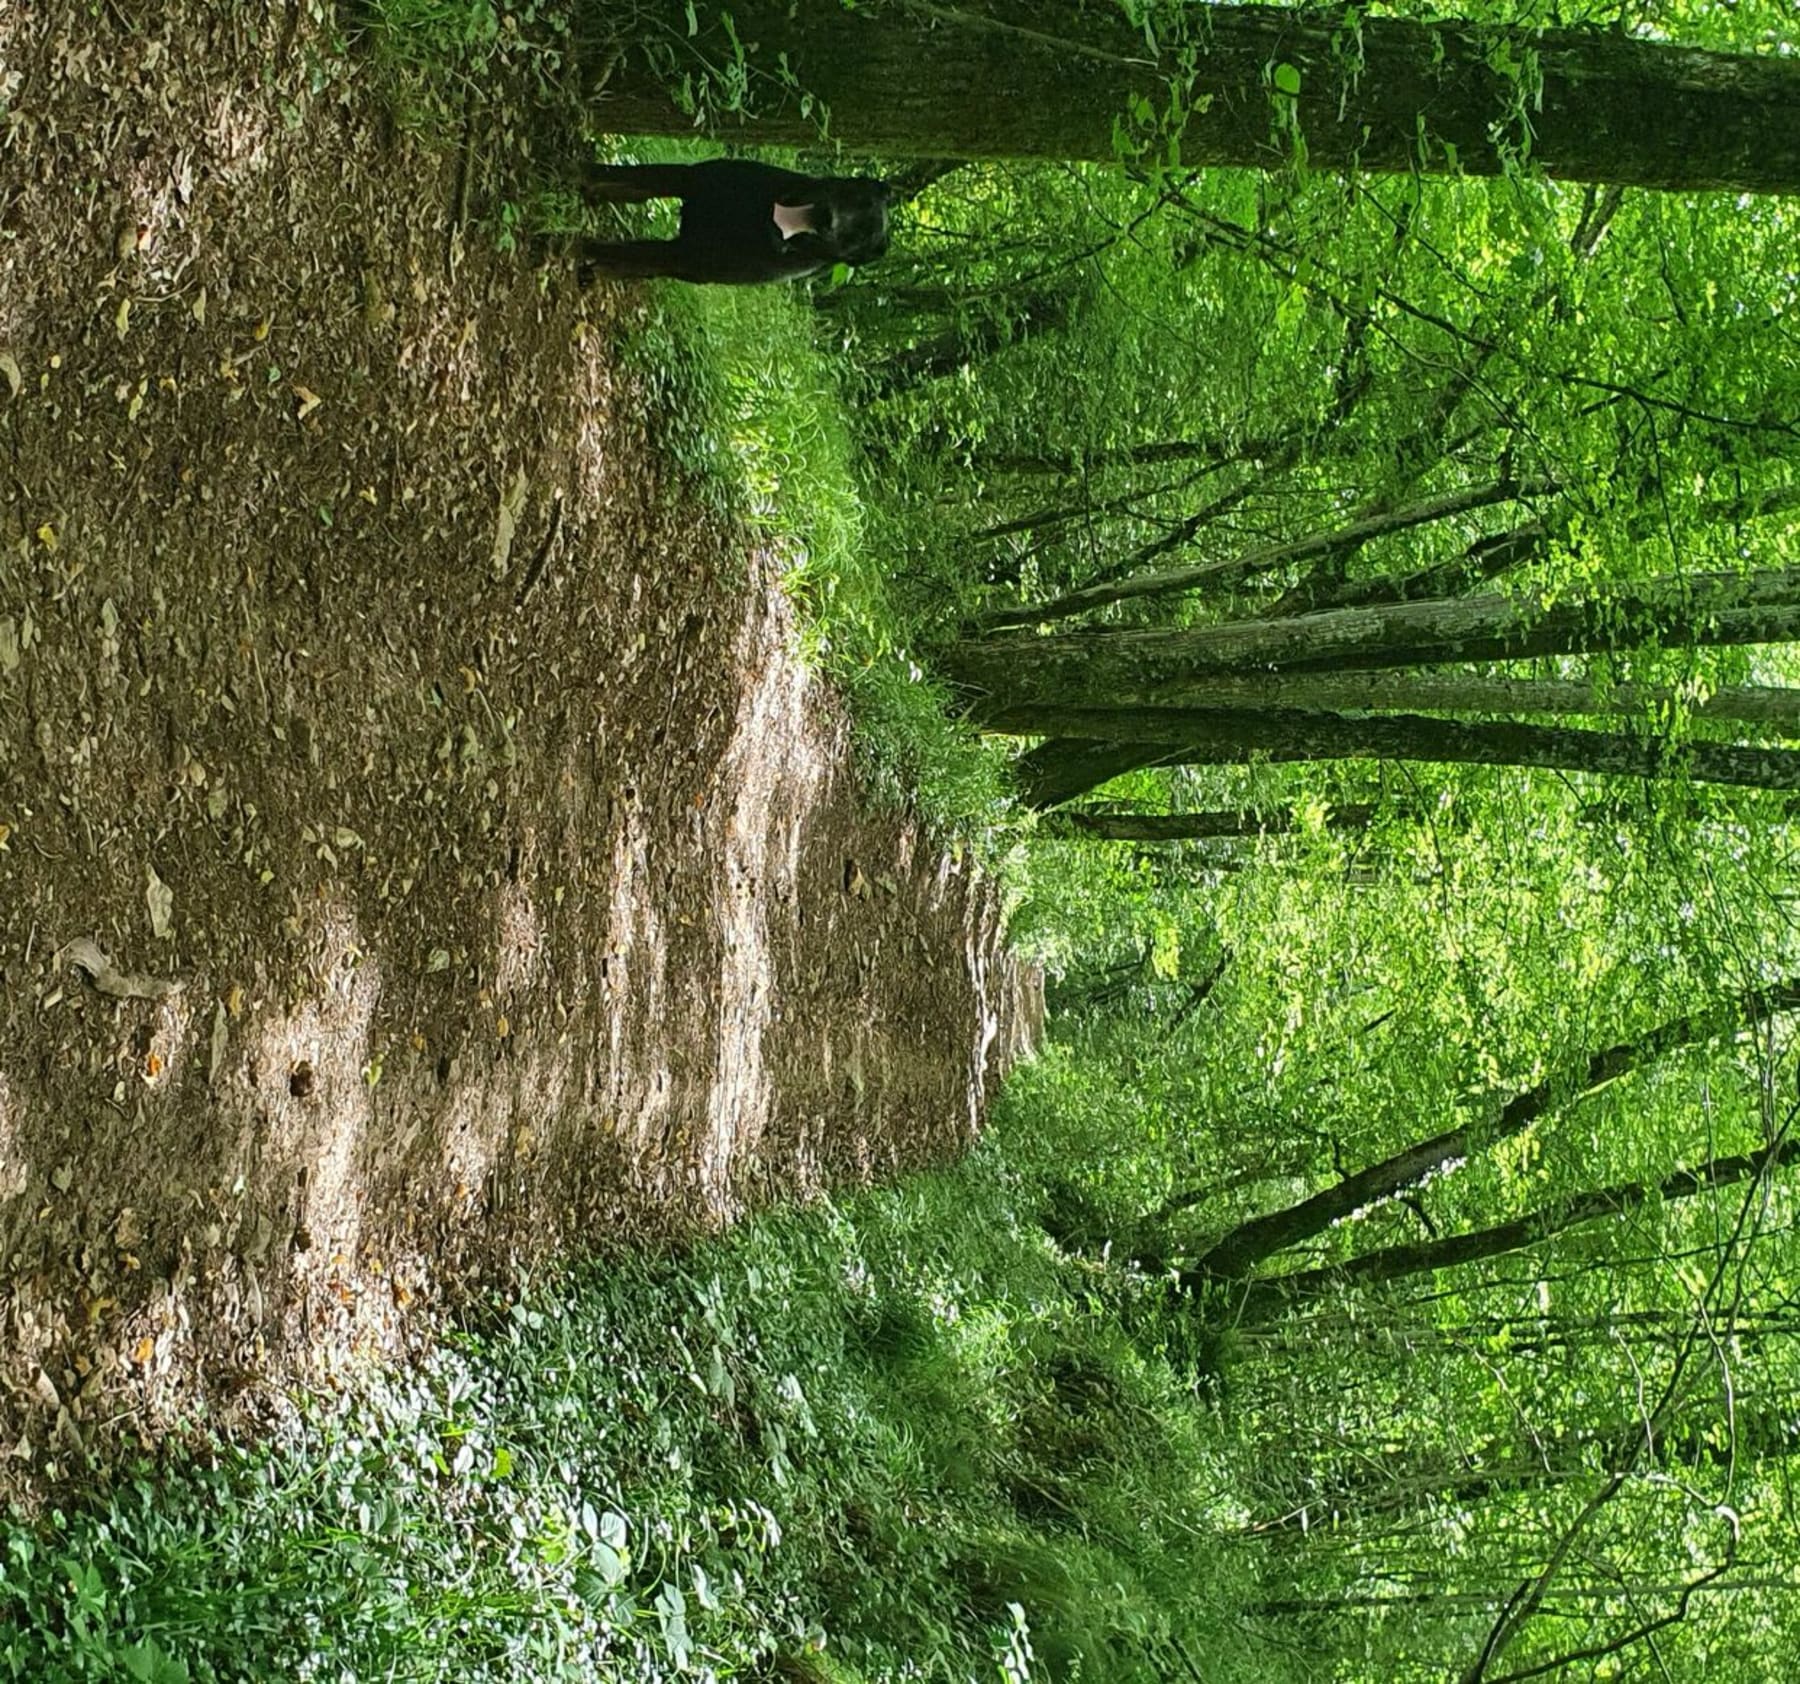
<point>421,854</point>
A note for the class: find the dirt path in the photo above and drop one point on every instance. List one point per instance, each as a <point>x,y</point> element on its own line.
<point>366,676</point>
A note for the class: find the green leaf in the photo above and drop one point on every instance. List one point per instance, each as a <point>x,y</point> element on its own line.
<point>147,1661</point>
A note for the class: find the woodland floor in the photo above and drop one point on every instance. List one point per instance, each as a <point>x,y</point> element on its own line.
<point>368,675</point>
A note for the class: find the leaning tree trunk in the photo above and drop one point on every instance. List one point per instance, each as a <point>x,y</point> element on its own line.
<point>1769,707</point>
<point>960,344</point>
<point>1296,716</point>
<point>1337,543</point>
<point>1195,827</point>
<point>1054,78</point>
<point>1263,1300</point>
<point>1261,1237</point>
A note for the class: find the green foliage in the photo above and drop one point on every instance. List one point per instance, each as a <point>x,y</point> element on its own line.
<point>878,1428</point>
<point>432,55</point>
<point>1243,1022</point>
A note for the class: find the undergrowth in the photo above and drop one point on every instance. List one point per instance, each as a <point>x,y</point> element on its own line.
<point>893,1439</point>
<point>753,409</point>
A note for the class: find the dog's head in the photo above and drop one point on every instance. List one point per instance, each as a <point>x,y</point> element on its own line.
<point>853,218</point>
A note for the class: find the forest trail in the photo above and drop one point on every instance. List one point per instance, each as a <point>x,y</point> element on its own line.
<point>486,881</point>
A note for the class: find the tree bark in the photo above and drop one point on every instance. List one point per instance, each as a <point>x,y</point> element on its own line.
<point>1054,78</point>
<point>1771,706</point>
<point>1485,559</point>
<point>1192,827</point>
<point>1340,541</point>
<point>967,342</point>
<point>1399,1480</point>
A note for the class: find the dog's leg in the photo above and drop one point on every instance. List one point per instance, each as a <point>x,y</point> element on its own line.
<point>628,260</point>
<point>633,183</point>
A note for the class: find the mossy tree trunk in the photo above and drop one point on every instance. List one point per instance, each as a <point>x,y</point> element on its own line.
<point>1055,78</point>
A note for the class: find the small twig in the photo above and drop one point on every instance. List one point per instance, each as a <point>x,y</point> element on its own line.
<point>536,568</point>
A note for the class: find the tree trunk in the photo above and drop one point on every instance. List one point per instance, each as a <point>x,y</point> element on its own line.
<point>1263,1299</point>
<point>1238,736</point>
<point>1485,559</point>
<point>1263,1236</point>
<point>1770,706</point>
<point>1400,1479</point>
<point>1065,767</point>
<point>966,342</point>
<point>1338,542</point>
<point>1055,78</point>
<point>1191,827</point>
<point>1701,611</point>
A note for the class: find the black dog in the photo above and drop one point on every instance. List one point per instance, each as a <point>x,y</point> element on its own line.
<point>742,223</point>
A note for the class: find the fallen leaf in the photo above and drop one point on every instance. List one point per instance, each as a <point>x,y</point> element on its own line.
<point>160,898</point>
<point>506,525</point>
<point>216,1054</point>
<point>309,401</point>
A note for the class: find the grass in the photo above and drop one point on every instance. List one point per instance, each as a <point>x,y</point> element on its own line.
<point>754,410</point>
<point>884,1440</point>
